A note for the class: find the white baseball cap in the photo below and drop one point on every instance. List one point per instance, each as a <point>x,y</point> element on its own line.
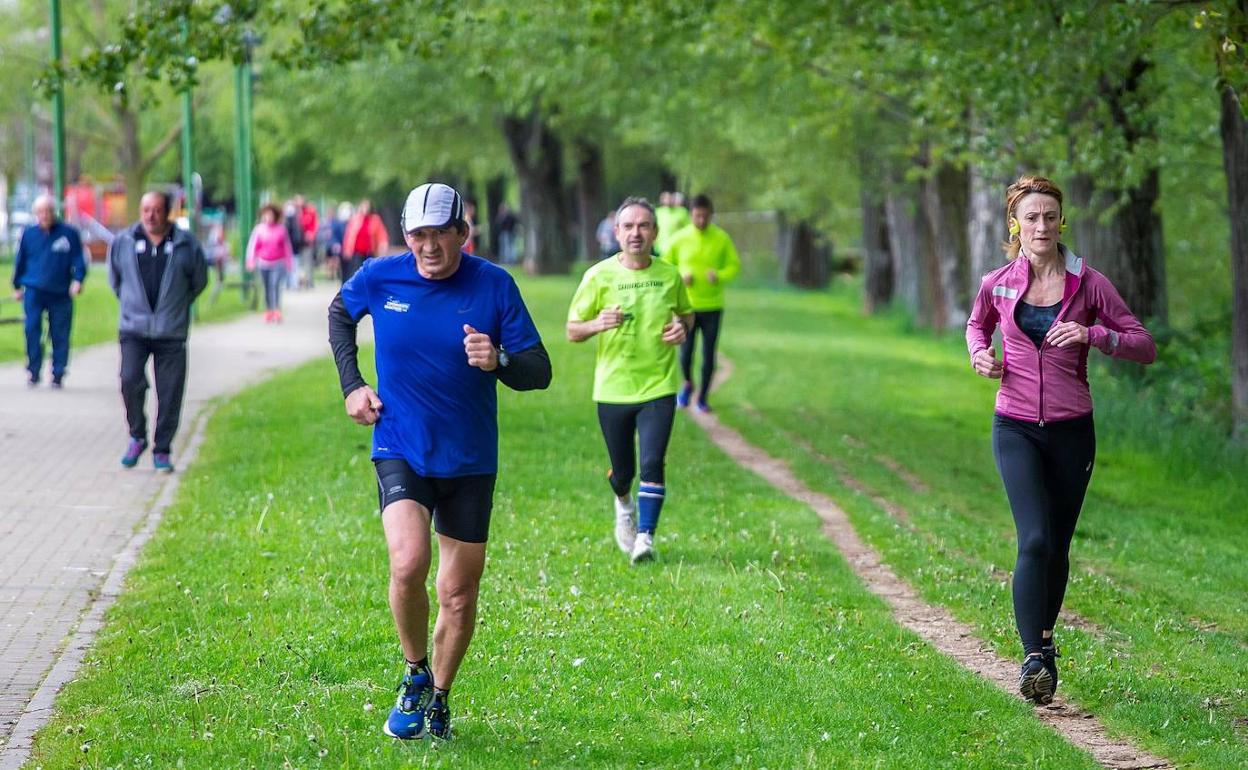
<point>432,205</point>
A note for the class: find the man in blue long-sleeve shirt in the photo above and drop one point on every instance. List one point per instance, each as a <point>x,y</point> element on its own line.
<point>48,274</point>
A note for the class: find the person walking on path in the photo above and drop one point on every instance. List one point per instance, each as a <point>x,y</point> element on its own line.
<point>365,238</point>
<point>309,224</point>
<point>270,250</point>
<point>1051,308</point>
<point>448,327</point>
<point>707,259</point>
<point>639,310</point>
<point>48,272</point>
<point>156,270</point>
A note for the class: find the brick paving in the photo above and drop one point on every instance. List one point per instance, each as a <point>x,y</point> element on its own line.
<point>71,516</point>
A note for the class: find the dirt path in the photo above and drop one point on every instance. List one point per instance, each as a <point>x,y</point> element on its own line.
<point>934,624</point>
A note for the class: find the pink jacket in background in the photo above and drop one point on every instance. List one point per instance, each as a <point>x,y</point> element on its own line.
<point>269,245</point>
<point>1052,383</point>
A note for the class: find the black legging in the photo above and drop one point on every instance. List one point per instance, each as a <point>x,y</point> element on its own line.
<point>1046,472</point>
<point>706,321</point>
<point>651,421</point>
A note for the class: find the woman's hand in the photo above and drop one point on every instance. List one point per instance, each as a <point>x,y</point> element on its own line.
<point>985,364</point>
<point>1067,333</point>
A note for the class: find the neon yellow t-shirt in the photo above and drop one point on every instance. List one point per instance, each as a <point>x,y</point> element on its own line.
<point>669,220</point>
<point>633,363</point>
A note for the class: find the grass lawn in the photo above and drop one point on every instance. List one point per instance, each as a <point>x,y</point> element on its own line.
<point>95,313</point>
<point>254,632</point>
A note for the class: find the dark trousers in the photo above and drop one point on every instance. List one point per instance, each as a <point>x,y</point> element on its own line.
<point>707,322</point>
<point>349,265</point>
<point>60,310</point>
<point>1046,471</point>
<point>649,421</point>
<point>169,361</point>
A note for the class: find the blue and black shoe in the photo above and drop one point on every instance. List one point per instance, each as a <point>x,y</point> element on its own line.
<point>683,395</point>
<point>438,716</point>
<point>407,719</point>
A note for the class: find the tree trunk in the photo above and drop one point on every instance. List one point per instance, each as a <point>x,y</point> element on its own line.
<point>1120,232</point>
<point>537,157</point>
<point>130,157</point>
<point>805,255</point>
<point>667,181</point>
<point>985,227</point>
<point>1127,248</point>
<point>495,192</point>
<point>877,266</point>
<point>1235,162</point>
<point>945,212</point>
<point>908,245</point>
<point>591,196</point>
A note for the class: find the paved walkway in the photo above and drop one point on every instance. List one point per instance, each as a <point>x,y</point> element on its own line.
<point>68,510</point>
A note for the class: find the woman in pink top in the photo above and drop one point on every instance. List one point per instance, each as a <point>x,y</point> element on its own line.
<point>1051,309</point>
<point>269,249</point>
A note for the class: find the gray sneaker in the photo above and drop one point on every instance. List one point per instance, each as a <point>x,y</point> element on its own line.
<point>625,524</point>
<point>643,547</point>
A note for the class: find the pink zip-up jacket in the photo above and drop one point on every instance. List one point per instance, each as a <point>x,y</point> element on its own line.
<point>270,245</point>
<point>1052,383</point>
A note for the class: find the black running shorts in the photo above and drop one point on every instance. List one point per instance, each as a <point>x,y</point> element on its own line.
<point>461,506</point>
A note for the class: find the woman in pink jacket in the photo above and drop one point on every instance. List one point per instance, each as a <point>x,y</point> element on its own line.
<point>1051,309</point>
<point>269,249</point>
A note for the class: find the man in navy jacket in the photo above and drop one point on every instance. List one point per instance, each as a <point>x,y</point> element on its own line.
<point>48,274</point>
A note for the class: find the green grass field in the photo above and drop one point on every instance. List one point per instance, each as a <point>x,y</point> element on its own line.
<point>95,313</point>
<point>254,632</point>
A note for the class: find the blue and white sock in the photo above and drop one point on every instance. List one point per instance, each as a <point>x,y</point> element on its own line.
<point>649,505</point>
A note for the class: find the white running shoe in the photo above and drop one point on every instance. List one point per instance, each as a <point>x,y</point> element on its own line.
<point>643,547</point>
<point>625,523</point>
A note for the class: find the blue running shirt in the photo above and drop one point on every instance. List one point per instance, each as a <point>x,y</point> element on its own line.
<point>437,412</point>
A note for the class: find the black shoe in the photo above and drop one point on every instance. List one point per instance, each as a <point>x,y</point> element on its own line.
<point>1049,653</point>
<point>58,383</point>
<point>32,381</point>
<point>1034,680</point>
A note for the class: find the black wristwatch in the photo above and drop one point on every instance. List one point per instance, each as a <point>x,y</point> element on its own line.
<point>504,360</point>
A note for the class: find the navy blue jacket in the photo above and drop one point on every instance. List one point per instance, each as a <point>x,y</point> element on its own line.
<point>49,260</point>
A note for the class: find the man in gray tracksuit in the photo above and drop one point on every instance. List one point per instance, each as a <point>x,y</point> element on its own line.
<point>156,271</point>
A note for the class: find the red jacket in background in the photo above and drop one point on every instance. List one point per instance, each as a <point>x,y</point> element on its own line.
<point>374,241</point>
<point>308,222</point>
<point>1052,383</point>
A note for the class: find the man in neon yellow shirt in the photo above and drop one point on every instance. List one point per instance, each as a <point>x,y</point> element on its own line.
<point>639,310</point>
<point>706,259</point>
<point>669,217</point>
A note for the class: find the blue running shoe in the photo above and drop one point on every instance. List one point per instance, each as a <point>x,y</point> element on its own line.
<point>438,715</point>
<point>407,718</point>
<point>134,450</point>
<point>682,397</point>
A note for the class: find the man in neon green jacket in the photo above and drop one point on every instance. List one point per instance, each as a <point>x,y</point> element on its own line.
<point>706,259</point>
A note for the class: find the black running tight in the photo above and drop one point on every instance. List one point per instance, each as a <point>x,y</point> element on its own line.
<point>1046,472</point>
<point>707,322</point>
<point>649,421</point>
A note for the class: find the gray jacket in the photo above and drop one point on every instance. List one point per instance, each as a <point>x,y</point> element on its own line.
<point>186,275</point>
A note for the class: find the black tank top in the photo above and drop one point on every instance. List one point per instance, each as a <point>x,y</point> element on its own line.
<point>1035,320</point>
